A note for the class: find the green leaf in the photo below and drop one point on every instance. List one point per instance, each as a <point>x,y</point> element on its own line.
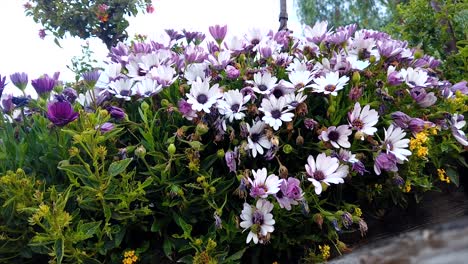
<point>57,42</point>
<point>453,175</point>
<point>185,227</point>
<point>167,247</point>
<point>88,229</point>
<point>235,257</point>
<point>118,167</point>
<point>59,248</point>
<point>78,170</point>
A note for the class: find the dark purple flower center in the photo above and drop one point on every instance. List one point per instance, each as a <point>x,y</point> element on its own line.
<point>255,137</point>
<point>330,88</point>
<point>257,217</point>
<point>333,135</point>
<point>358,124</point>
<point>278,93</point>
<point>202,98</point>
<point>279,194</point>
<point>319,175</point>
<point>276,114</point>
<point>235,107</point>
<point>125,93</point>
<point>262,87</point>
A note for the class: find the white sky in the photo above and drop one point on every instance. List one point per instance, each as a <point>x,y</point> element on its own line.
<point>21,49</point>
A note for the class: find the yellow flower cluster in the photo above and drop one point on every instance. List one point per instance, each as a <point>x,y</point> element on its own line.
<point>130,257</point>
<point>443,175</point>
<point>325,250</point>
<point>417,144</point>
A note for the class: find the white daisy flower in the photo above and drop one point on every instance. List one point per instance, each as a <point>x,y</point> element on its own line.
<point>258,219</point>
<point>457,122</point>
<point>325,170</point>
<point>148,87</point>
<point>202,97</point>
<point>163,74</point>
<point>299,80</point>
<point>317,33</point>
<point>395,144</point>
<point>113,71</point>
<point>338,136</point>
<point>363,120</point>
<point>134,71</point>
<point>330,84</point>
<point>122,88</point>
<point>232,105</point>
<point>415,77</point>
<point>297,65</point>
<point>293,100</point>
<point>263,83</point>
<point>262,186</point>
<point>257,140</point>
<point>220,61</point>
<point>275,111</point>
<point>194,71</point>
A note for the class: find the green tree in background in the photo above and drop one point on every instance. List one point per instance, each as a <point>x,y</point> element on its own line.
<point>439,28</point>
<point>104,19</point>
<point>371,14</point>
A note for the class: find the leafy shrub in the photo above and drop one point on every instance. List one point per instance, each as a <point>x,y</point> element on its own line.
<point>198,151</point>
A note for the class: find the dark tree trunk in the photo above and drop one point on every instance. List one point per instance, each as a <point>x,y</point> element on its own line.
<point>283,17</point>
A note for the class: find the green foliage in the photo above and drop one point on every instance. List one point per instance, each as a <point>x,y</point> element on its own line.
<point>83,63</point>
<point>440,28</point>
<point>367,14</point>
<point>86,18</point>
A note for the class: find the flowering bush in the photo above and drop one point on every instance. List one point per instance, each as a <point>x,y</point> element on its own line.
<point>198,151</point>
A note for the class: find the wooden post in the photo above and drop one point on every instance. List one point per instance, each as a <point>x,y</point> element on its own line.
<point>283,16</point>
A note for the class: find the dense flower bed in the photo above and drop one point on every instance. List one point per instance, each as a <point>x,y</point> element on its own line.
<point>263,147</point>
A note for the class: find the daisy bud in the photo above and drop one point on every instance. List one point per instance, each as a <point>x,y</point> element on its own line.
<point>171,149</point>
<point>318,219</point>
<point>299,140</point>
<point>343,247</point>
<point>287,148</point>
<point>201,129</point>
<point>356,77</point>
<point>140,152</point>
<point>274,140</point>
<point>372,59</point>
<point>283,171</point>
<point>418,54</point>
<point>165,103</point>
<point>144,106</point>
<point>220,153</point>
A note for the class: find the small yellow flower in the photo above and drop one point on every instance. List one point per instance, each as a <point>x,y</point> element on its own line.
<point>421,137</point>
<point>325,251</point>
<point>378,187</point>
<point>130,257</point>
<point>443,175</point>
<point>357,212</point>
<point>407,186</point>
<point>422,152</point>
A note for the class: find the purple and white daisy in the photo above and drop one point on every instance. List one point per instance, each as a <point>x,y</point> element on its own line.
<point>330,84</point>
<point>299,80</point>
<point>363,120</point>
<point>122,88</point>
<point>293,100</point>
<point>325,170</point>
<point>262,186</point>
<point>415,77</point>
<point>195,71</point>
<point>385,161</point>
<point>395,143</point>
<point>337,136</point>
<point>258,219</point>
<point>275,111</point>
<point>263,83</point>
<point>163,74</point>
<point>232,105</point>
<point>148,87</point>
<point>290,193</point>
<point>202,97</point>
<point>457,122</point>
<point>257,140</point>
<point>317,33</point>
<point>221,60</point>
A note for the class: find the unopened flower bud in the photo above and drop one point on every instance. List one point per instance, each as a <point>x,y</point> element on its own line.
<point>287,148</point>
<point>356,77</point>
<point>299,140</point>
<point>73,151</point>
<point>418,54</point>
<point>283,171</point>
<point>220,153</point>
<point>144,106</point>
<point>274,140</point>
<point>140,152</point>
<point>171,149</point>
<point>372,59</point>
<point>201,129</point>
<point>165,103</point>
<point>318,219</point>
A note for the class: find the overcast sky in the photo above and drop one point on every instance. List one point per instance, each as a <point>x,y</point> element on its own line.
<point>21,50</point>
